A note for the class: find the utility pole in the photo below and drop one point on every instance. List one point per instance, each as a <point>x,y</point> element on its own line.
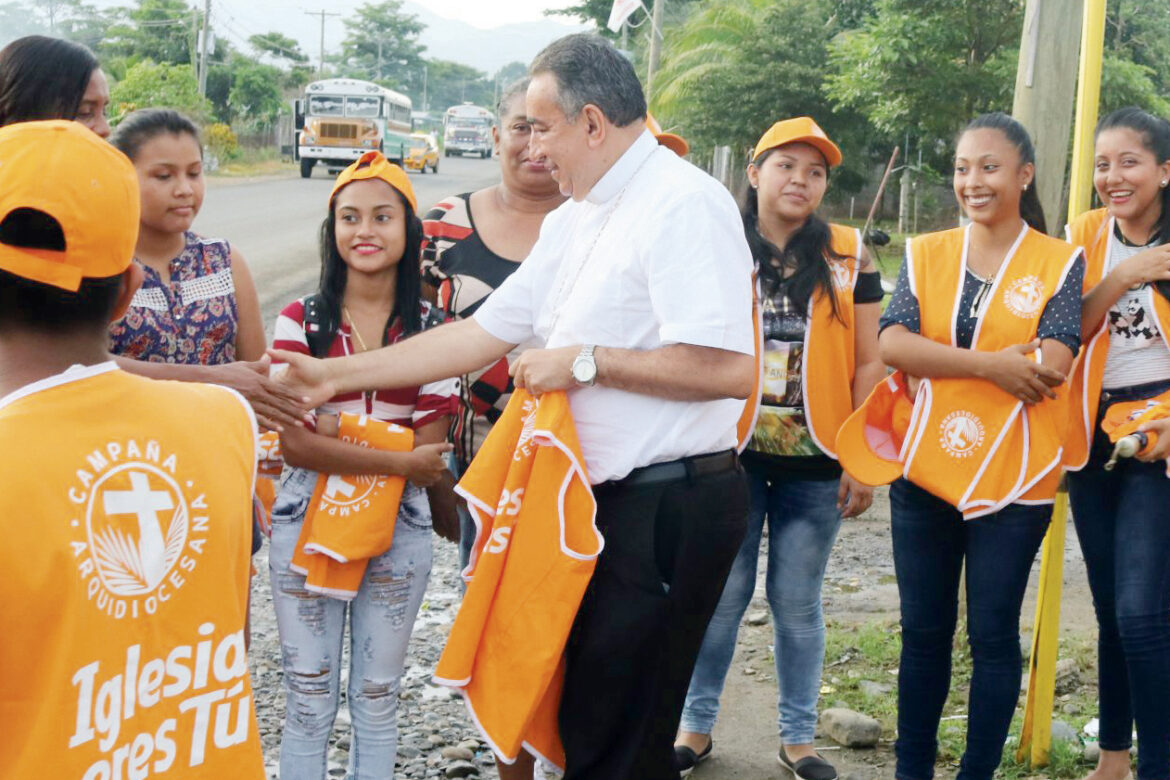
<point>321,63</point>
<point>195,43</point>
<point>1046,79</point>
<point>203,49</point>
<point>655,46</point>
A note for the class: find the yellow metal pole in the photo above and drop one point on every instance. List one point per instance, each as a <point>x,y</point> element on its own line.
<point>1088,100</point>
<point>1036,735</point>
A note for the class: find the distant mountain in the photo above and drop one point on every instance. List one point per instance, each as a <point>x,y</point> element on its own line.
<point>487,50</point>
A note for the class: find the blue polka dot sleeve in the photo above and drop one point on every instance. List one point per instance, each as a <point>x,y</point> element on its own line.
<point>903,308</point>
<point>1061,319</point>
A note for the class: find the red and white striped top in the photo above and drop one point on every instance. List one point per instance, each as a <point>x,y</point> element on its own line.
<point>411,407</point>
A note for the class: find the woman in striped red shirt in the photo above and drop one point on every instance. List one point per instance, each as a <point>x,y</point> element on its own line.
<point>368,297</point>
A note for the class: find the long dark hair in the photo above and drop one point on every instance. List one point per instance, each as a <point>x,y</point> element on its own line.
<point>43,78</point>
<point>407,288</point>
<point>807,251</point>
<point>145,124</point>
<point>1155,135</point>
<point>1030,209</point>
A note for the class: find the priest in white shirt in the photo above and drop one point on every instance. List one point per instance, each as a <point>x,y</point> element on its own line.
<point>636,299</point>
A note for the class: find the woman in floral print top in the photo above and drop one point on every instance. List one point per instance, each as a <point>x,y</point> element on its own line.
<point>197,315</point>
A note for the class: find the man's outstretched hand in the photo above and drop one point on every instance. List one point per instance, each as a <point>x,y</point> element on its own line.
<point>303,375</point>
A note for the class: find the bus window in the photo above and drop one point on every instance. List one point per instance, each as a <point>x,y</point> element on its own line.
<point>323,105</point>
<point>363,106</point>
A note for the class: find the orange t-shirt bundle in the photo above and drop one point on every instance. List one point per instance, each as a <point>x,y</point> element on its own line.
<point>350,518</point>
<point>535,549</point>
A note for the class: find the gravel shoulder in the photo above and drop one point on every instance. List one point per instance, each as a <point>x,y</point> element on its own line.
<point>437,737</point>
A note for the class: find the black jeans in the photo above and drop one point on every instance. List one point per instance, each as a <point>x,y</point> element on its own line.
<point>668,550</point>
<point>1123,523</point>
<point>931,542</point>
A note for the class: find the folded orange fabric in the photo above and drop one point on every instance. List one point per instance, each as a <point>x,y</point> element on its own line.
<point>535,550</point>
<point>351,518</point>
<point>1123,419</point>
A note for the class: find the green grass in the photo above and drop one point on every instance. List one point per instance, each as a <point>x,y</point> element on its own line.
<point>856,653</point>
<point>253,162</point>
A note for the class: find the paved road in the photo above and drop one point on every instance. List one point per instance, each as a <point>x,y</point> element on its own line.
<point>274,221</point>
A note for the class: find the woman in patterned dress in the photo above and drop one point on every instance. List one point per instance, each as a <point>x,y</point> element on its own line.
<point>197,315</point>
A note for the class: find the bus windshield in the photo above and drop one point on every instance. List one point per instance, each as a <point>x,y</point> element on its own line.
<point>363,106</point>
<point>326,105</point>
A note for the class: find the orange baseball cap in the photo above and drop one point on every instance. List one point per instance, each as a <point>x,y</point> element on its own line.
<point>869,444</point>
<point>802,129</point>
<point>675,143</point>
<point>374,165</point>
<point>90,189</point>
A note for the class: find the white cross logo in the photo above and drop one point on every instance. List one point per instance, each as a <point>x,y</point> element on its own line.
<point>336,485</point>
<point>140,500</point>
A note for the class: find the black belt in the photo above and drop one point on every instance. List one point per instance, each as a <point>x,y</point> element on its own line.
<point>683,468</point>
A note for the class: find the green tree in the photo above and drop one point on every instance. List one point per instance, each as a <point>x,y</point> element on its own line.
<point>255,97</point>
<point>1137,56</point>
<point>513,71</point>
<point>279,46</point>
<point>156,30</point>
<point>149,85</point>
<point>381,42</point>
<point>927,66</point>
<point>1126,83</point>
<point>451,83</point>
<point>736,66</point>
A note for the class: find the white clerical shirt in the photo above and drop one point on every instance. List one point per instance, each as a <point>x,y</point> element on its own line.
<point>654,255</point>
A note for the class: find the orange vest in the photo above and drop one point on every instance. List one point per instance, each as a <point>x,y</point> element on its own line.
<point>535,549</point>
<point>127,541</point>
<point>1092,231</point>
<point>829,357</point>
<point>351,519</point>
<point>974,445</point>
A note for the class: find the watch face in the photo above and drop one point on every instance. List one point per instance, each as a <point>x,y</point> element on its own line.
<point>584,371</point>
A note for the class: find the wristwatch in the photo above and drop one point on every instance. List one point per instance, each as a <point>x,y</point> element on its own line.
<point>584,368</point>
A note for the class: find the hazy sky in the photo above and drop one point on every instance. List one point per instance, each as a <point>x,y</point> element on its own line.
<point>493,13</point>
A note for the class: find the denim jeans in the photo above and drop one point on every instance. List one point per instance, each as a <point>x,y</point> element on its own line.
<point>802,522</point>
<point>931,543</point>
<point>1123,523</point>
<point>312,627</point>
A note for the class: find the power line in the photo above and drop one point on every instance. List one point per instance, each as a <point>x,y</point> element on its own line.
<point>322,13</point>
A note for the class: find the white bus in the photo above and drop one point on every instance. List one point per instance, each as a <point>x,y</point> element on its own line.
<point>468,128</point>
<point>338,120</point>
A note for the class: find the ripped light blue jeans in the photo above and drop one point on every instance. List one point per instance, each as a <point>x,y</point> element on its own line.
<point>312,627</point>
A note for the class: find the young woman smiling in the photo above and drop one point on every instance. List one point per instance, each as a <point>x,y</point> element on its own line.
<point>1121,515</point>
<point>984,325</point>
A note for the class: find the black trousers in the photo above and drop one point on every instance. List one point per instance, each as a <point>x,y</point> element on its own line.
<point>668,550</point>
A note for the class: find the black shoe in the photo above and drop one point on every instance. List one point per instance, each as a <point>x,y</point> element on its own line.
<point>685,759</point>
<point>807,768</point>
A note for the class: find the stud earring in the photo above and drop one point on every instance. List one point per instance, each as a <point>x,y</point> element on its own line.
<point>1164,183</point>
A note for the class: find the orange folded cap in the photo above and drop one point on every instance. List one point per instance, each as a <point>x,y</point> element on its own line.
<point>83,184</point>
<point>870,441</point>
<point>802,129</point>
<point>675,143</point>
<point>374,165</point>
